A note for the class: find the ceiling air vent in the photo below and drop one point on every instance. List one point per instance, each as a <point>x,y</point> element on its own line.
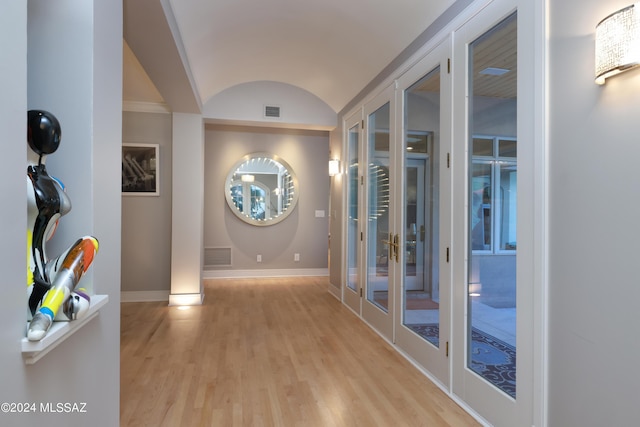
<point>272,111</point>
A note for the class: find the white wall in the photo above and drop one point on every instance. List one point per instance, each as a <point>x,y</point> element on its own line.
<point>187,209</point>
<point>69,50</point>
<point>593,215</point>
<point>337,223</point>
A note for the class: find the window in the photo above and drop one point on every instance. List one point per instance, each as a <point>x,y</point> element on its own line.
<point>494,196</point>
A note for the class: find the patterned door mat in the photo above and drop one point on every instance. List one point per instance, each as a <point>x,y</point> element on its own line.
<point>492,359</point>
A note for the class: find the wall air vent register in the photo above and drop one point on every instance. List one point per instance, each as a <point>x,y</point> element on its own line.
<point>217,257</point>
<point>272,111</point>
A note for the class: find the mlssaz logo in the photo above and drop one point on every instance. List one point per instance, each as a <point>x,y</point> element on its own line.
<point>64,407</point>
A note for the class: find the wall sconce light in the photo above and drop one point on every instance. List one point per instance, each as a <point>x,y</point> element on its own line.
<point>247,178</point>
<point>618,43</point>
<point>334,167</point>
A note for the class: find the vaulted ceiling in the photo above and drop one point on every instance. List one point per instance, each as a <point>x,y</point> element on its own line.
<point>194,49</point>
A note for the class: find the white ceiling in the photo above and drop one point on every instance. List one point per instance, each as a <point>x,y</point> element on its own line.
<point>331,48</point>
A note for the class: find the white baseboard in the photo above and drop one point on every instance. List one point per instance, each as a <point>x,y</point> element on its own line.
<point>196,299</point>
<point>144,296</point>
<point>297,272</point>
<point>336,292</point>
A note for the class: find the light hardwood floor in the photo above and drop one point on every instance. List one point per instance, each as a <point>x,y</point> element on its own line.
<point>269,352</point>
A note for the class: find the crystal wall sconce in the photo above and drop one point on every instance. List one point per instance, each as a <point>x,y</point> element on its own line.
<point>618,43</point>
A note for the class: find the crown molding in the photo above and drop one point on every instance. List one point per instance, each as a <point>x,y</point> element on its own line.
<point>145,107</point>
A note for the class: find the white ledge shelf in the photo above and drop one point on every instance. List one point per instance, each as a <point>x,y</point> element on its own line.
<point>32,351</point>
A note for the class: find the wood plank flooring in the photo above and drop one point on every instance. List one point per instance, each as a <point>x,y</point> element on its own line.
<point>269,352</point>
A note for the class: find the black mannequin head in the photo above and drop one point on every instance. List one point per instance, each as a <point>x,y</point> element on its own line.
<point>43,132</point>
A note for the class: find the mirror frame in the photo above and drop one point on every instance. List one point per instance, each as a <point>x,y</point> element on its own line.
<point>246,218</point>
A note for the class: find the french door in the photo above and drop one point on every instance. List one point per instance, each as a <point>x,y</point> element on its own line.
<point>380,234</point>
<point>353,286</point>
<point>443,252</point>
<point>493,237</point>
<point>424,277</point>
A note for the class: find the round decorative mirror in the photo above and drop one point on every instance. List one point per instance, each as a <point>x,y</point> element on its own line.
<point>261,189</point>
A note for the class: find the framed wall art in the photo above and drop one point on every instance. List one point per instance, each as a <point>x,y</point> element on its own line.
<point>140,169</point>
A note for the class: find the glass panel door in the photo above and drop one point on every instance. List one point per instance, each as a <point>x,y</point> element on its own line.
<point>487,310</point>
<point>491,269</point>
<point>381,239</point>
<point>420,299</point>
<point>424,299</point>
<point>379,236</point>
<point>352,291</point>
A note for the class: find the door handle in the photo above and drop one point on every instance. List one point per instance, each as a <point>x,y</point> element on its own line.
<point>394,249</point>
<point>390,243</point>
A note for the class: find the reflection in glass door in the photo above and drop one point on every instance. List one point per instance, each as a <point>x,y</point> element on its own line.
<point>421,268</point>
<point>492,183</point>
<point>379,237</point>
